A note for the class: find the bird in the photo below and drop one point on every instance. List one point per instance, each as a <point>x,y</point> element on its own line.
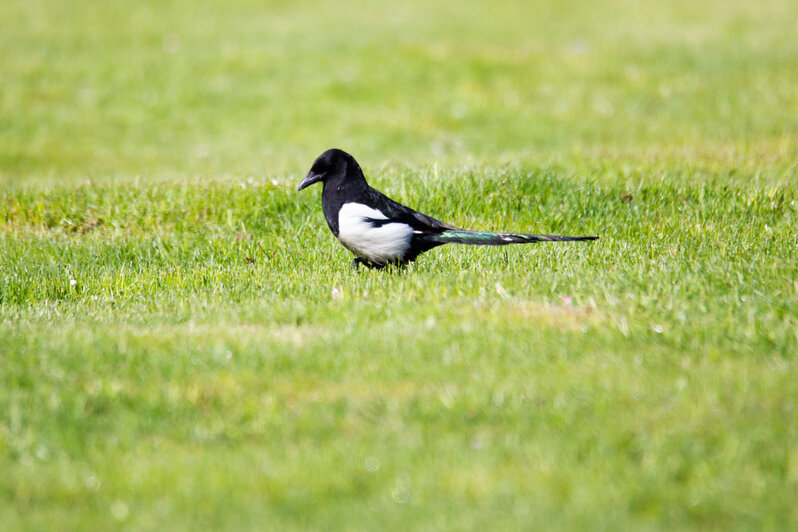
<point>382,232</point>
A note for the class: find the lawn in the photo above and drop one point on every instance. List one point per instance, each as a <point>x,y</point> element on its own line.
<point>184,346</point>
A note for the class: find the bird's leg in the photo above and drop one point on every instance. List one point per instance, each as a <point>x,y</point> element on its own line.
<point>397,268</point>
<point>367,263</point>
<point>356,263</point>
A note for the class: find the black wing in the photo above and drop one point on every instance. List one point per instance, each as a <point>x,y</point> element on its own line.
<point>397,212</point>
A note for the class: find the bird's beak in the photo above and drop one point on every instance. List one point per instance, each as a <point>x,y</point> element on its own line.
<point>311,178</point>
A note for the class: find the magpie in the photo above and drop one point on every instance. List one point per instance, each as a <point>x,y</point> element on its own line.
<point>380,231</point>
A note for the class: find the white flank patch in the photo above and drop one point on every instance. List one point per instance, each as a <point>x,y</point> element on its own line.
<point>382,244</point>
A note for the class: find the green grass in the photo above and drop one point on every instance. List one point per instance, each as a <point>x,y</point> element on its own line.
<point>115,90</point>
<point>171,353</point>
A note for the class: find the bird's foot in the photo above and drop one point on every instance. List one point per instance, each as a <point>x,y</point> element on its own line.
<point>367,263</point>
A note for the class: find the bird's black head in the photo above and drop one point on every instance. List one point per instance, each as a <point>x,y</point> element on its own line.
<point>331,164</point>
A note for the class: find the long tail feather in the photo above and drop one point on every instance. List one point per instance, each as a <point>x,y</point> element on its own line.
<point>489,238</point>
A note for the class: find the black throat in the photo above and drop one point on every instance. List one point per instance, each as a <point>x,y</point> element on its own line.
<point>345,186</point>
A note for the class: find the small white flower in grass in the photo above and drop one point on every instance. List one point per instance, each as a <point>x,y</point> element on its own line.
<point>658,328</point>
<point>42,453</point>
<point>372,464</point>
<point>500,290</point>
<point>120,510</point>
<point>92,482</point>
<point>73,283</point>
<point>400,494</point>
<point>477,442</point>
<point>335,293</point>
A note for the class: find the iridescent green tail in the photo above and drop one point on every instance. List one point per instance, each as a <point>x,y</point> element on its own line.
<point>489,238</point>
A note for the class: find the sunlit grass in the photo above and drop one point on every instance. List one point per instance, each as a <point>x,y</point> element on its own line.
<point>116,90</point>
<point>181,342</point>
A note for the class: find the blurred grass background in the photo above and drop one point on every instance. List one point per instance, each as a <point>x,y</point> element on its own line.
<point>119,89</point>
<point>171,353</point>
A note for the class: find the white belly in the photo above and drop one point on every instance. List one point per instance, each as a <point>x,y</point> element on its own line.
<point>382,244</point>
